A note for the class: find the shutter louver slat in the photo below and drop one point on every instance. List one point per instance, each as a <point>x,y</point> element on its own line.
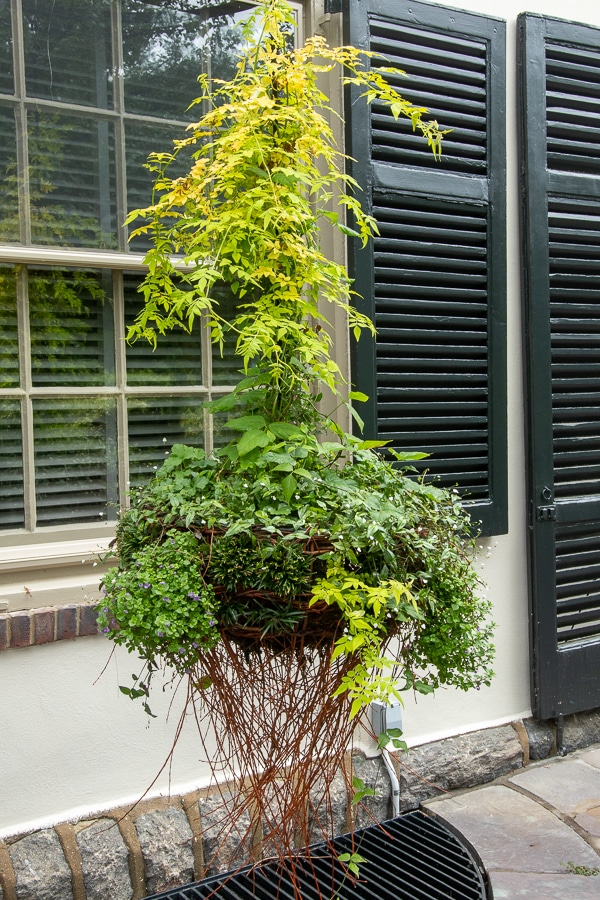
<point>434,279</point>
<point>578,584</point>
<point>425,360</point>
<point>575,343</point>
<point>572,106</point>
<point>450,80</point>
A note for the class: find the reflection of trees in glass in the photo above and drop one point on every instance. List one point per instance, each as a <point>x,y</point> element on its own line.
<point>70,315</point>
<point>71,328</point>
<point>60,62</point>
<point>9,178</point>
<point>177,359</point>
<point>75,459</point>
<point>6,50</point>
<point>71,195</point>
<point>11,466</point>
<point>155,425</point>
<point>72,343</point>
<point>9,339</point>
<point>72,181</point>
<point>166,46</point>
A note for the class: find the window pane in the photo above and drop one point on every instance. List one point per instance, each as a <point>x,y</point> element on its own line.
<point>72,192</point>
<point>68,52</point>
<point>75,460</point>
<point>162,59</point>
<point>71,321</point>
<point>140,141</point>
<point>225,366</point>
<point>155,425</point>
<point>177,358</point>
<point>224,42</point>
<point>6,56</point>
<point>165,49</point>
<point>11,466</point>
<point>9,341</point>
<point>9,185</point>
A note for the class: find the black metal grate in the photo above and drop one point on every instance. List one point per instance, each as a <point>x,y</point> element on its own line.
<point>413,857</point>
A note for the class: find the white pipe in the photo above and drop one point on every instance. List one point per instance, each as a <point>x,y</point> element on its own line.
<point>394,780</point>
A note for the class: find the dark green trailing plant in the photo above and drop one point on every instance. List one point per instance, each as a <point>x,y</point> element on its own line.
<point>293,514</point>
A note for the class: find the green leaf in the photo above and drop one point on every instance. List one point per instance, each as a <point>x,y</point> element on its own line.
<point>285,430</point>
<point>246,423</point>
<point>357,418</point>
<point>370,445</point>
<point>349,231</point>
<point>383,740</point>
<point>251,439</point>
<point>223,404</point>
<point>358,395</point>
<point>288,486</point>
<point>245,383</point>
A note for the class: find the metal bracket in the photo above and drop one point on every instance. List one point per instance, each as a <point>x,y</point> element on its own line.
<point>546,513</point>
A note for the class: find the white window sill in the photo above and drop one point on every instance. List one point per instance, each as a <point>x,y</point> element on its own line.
<point>52,574</point>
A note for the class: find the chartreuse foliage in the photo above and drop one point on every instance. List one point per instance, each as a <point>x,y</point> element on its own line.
<point>398,560</point>
<point>248,213</point>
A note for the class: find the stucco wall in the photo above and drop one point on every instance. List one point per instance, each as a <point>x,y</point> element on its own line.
<point>70,743</point>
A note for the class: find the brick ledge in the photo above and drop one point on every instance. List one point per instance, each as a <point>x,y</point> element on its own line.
<point>47,624</point>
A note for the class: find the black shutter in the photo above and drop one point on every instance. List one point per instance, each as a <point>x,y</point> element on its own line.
<point>560,140</point>
<point>434,281</point>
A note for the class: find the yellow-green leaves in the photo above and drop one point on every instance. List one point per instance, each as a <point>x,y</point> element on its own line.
<point>371,612</point>
<point>264,173</point>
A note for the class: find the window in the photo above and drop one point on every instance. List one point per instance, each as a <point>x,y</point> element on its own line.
<point>87,89</point>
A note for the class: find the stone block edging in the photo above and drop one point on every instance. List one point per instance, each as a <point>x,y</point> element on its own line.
<point>159,844</point>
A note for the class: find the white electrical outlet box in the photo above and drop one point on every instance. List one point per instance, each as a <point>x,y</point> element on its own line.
<point>385,716</point>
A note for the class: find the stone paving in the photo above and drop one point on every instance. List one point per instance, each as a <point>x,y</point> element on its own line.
<point>537,832</point>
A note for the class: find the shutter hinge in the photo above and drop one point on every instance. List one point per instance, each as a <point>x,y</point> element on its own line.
<point>546,513</point>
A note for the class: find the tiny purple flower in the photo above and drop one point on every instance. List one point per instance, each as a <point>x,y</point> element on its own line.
<point>160,634</point>
<point>166,600</point>
<point>146,584</point>
<point>195,645</point>
<point>181,650</point>
<point>105,630</point>
<point>106,609</point>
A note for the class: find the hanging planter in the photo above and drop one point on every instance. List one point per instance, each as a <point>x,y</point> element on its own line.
<point>297,574</point>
